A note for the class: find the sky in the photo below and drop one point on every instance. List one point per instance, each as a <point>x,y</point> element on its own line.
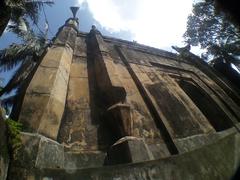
<point>157,23</point>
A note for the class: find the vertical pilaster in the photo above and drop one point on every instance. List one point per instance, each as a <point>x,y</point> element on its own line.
<point>44,102</point>
<point>76,124</point>
<point>165,130</point>
<point>117,108</point>
<point>109,83</point>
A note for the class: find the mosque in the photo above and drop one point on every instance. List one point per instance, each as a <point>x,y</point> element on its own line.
<point>102,108</point>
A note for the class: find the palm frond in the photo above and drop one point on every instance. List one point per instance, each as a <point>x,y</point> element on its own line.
<point>33,47</point>
<point>32,9</point>
<point>8,101</point>
<point>26,8</point>
<point>19,76</point>
<point>15,4</point>
<point>13,55</point>
<point>20,27</point>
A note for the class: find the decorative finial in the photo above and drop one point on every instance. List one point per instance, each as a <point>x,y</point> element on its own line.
<point>94,30</point>
<point>94,27</point>
<point>74,10</point>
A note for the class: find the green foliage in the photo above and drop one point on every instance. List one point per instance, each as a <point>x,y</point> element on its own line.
<point>15,53</point>
<point>3,141</point>
<point>20,9</point>
<point>26,55</point>
<point>14,128</point>
<point>30,9</point>
<point>212,30</point>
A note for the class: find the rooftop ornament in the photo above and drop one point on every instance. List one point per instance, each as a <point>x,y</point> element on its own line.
<point>74,10</point>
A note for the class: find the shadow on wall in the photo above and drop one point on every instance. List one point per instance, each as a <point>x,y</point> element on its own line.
<point>217,118</point>
<point>227,71</point>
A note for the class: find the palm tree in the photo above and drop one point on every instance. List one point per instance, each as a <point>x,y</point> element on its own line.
<point>26,56</point>
<point>14,9</point>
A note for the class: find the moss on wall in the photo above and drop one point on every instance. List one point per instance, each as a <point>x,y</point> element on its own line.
<point>14,141</point>
<point>4,154</point>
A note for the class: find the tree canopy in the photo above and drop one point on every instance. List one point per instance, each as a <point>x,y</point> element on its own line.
<point>210,29</point>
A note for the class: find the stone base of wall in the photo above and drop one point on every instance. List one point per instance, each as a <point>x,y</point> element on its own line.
<point>42,158</point>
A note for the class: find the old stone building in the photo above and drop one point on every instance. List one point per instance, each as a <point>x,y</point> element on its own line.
<point>104,108</point>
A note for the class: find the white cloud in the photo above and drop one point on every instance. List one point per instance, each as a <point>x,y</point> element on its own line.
<point>158,23</point>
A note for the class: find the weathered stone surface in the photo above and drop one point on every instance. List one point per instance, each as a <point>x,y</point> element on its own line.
<point>52,58</point>
<point>43,84</point>
<point>78,97</point>
<point>190,114</point>
<point>120,119</point>
<point>80,47</point>
<point>194,142</point>
<point>213,113</point>
<point>44,102</point>
<point>28,153</point>
<point>106,74</point>
<point>66,36</point>
<point>76,129</point>
<point>79,68</point>
<point>91,90</point>
<point>50,154</point>
<point>175,122</point>
<point>31,112</point>
<point>159,150</point>
<point>128,150</point>
<point>76,124</point>
<point>105,70</point>
<point>143,124</point>
<point>83,160</point>
<point>51,118</point>
<point>212,162</point>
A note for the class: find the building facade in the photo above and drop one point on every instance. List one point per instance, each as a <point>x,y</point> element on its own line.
<point>104,108</point>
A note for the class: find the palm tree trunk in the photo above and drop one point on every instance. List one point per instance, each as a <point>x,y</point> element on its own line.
<point>5,15</point>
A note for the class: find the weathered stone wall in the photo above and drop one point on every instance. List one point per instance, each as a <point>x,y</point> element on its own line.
<point>169,71</point>
<point>216,161</point>
<point>44,102</point>
<point>94,99</point>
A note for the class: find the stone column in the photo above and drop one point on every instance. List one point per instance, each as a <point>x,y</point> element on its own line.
<point>138,78</point>
<point>44,102</point>
<point>118,110</point>
<point>110,85</point>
